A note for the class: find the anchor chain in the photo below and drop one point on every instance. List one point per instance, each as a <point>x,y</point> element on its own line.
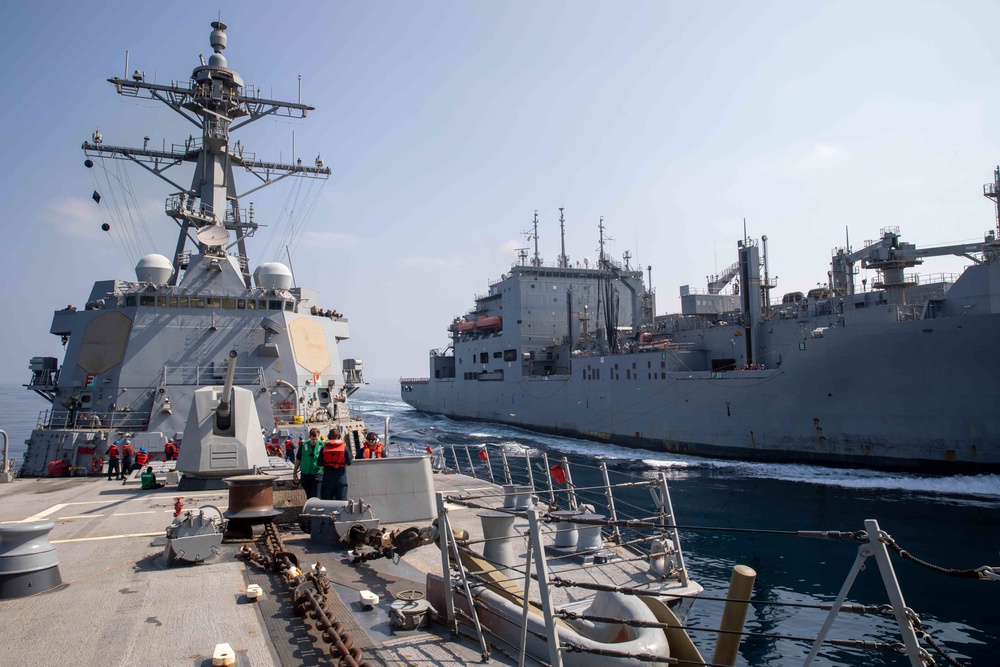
<point>309,595</point>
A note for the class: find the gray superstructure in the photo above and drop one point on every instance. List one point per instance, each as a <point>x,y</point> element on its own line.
<point>139,349</point>
<point>901,374</point>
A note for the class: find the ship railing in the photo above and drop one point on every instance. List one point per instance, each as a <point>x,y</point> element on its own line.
<point>550,478</point>
<point>933,278</point>
<point>87,420</point>
<point>414,380</point>
<point>200,376</point>
<point>536,486</point>
<point>542,488</point>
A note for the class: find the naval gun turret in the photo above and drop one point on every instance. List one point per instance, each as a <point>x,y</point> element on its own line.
<point>223,437</point>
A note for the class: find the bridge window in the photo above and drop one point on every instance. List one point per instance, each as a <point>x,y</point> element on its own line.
<point>197,302</point>
<point>241,304</point>
<point>182,302</point>
<point>213,302</point>
<point>229,303</point>
<point>273,304</point>
<point>172,302</point>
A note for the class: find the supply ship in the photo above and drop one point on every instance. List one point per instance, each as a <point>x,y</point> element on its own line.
<point>899,374</point>
<point>137,349</point>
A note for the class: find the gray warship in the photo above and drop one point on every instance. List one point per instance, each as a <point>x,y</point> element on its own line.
<point>139,349</point>
<point>899,374</point>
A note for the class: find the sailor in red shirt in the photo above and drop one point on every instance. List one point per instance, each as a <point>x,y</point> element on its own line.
<point>335,458</point>
<point>114,462</point>
<point>127,454</point>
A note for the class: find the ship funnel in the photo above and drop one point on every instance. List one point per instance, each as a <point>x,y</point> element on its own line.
<point>155,269</point>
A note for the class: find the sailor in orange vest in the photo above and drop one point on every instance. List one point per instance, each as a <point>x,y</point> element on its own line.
<point>114,463</point>
<point>171,450</point>
<point>336,457</point>
<point>127,454</point>
<point>289,449</point>
<point>142,458</point>
<point>373,448</point>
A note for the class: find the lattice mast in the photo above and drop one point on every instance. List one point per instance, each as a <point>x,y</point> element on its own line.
<point>215,101</point>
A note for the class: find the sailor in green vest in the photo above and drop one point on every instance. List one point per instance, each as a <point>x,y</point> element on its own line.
<point>148,479</point>
<point>307,461</point>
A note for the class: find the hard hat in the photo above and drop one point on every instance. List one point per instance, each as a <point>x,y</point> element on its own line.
<point>116,442</point>
<point>127,441</point>
<point>141,449</point>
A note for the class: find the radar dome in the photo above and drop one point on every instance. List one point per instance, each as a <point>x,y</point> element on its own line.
<point>155,269</point>
<point>273,275</point>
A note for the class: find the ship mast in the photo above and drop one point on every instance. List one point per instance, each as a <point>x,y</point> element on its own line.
<point>563,259</point>
<point>216,102</point>
<point>536,260</point>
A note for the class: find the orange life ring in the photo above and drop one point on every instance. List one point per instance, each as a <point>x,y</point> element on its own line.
<point>97,464</point>
<point>285,406</point>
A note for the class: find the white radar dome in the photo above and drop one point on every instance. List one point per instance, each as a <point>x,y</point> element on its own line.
<point>273,275</point>
<point>155,269</point>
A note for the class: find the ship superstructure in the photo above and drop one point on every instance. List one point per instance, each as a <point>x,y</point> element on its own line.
<point>138,349</point>
<point>899,374</point>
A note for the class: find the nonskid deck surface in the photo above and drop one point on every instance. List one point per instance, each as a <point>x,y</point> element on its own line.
<point>120,604</point>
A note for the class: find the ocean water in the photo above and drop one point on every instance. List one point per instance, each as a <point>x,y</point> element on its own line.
<point>950,521</point>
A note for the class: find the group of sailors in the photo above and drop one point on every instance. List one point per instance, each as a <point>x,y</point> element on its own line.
<point>330,457</point>
<point>123,459</point>
<point>319,312</point>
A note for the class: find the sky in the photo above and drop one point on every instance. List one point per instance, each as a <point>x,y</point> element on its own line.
<point>448,124</point>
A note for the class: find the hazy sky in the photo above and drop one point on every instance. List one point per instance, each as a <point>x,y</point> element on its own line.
<point>447,124</point>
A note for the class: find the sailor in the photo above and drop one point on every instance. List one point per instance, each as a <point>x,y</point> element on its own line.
<point>373,448</point>
<point>171,450</point>
<point>127,454</point>
<point>142,458</point>
<point>336,458</point>
<point>289,448</point>
<point>114,462</point>
<point>148,479</point>
<point>307,460</point>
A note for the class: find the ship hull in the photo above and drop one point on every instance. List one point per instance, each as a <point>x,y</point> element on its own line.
<point>918,395</point>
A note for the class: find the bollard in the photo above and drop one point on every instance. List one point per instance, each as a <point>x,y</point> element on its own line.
<point>498,533</point>
<point>589,536</point>
<point>734,614</point>
<point>566,530</point>
<point>29,564</point>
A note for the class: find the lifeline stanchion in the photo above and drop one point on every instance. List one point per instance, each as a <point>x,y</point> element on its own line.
<point>611,502</point>
<point>542,570</point>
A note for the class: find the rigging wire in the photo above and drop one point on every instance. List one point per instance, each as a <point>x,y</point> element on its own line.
<point>116,215</point>
<point>138,209</point>
<point>116,237</point>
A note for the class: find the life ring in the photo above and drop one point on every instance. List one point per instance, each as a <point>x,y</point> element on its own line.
<point>97,464</point>
<point>285,406</point>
